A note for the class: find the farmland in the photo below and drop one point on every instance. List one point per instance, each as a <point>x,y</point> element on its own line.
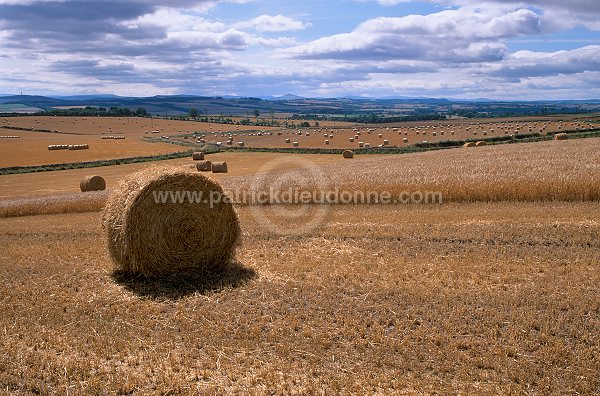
<point>32,147</point>
<point>492,291</point>
<point>473,298</point>
<point>399,135</point>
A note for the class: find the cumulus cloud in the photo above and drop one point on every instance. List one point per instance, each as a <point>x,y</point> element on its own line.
<point>145,47</point>
<point>448,36</point>
<point>524,64</point>
<point>559,14</point>
<point>273,23</point>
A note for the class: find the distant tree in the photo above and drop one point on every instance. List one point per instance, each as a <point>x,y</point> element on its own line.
<point>256,113</point>
<point>141,112</point>
<point>193,113</point>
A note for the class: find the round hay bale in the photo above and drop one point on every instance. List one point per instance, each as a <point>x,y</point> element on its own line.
<point>481,143</point>
<point>156,237</point>
<point>348,154</point>
<point>219,167</point>
<point>198,156</point>
<point>469,144</point>
<point>560,136</point>
<point>92,183</point>
<point>204,166</point>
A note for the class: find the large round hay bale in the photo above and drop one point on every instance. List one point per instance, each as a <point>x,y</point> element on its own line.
<point>92,183</point>
<point>204,166</point>
<point>198,156</point>
<point>348,154</point>
<point>219,167</point>
<point>469,144</point>
<point>480,143</point>
<point>155,227</point>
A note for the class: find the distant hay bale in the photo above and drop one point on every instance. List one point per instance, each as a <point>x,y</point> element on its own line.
<point>469,144</point>
<point>288,140</point>
<point>295,144</point>
<point>92,183</point>
<point>241,144</point>
<point>204,166</point>
<point>156,237</point>
<point>481,143</point>
<point>219,167</point>
<point>326,142</point>
<point>560,136</point>
<point>348,154</point>
<point>78,146</point>
<point>198,156</point>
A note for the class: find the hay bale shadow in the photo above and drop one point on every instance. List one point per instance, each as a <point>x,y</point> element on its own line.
<point>179,285</point>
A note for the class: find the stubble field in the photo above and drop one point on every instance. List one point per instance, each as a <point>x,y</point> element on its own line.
<point>399,135</point>
<point>472,299</point>
<point>494,291</point>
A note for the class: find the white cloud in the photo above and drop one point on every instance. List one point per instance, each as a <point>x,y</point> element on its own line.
<point>273,23</point>
<point>144,47</point>
<point>449,36</point>
<point>523,64</point>
<point>559,13</point>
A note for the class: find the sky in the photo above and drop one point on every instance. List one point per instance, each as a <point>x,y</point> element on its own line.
<point>464,49</point>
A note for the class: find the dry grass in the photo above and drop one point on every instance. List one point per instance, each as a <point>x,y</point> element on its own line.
<point>544,171</point>
<point>66,182</point>
<point>470,299</point>
<point>403,134</point>
<point>128,126</point>
<point>53,204</point>
<point>32,149</point>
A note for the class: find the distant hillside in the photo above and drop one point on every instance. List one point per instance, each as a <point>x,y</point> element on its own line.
<point>336,108</point>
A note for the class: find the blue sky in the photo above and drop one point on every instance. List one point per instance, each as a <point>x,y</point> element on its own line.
<point>497,49</point>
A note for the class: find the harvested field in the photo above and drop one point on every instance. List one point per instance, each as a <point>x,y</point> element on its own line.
<point>469,299</point>
<point>495,291</point>
<point>32,149</point>
<point>543,171</point>
<point>395,135</point>
<point>517,172</point>
<point>67,181</point>
<point>117,125</point>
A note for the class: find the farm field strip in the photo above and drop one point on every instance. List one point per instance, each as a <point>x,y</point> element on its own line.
<point>524,172</point>
<point>400,136</point>
<point>459,298</point>
<point>67,181</point>
<point>118,125</point>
